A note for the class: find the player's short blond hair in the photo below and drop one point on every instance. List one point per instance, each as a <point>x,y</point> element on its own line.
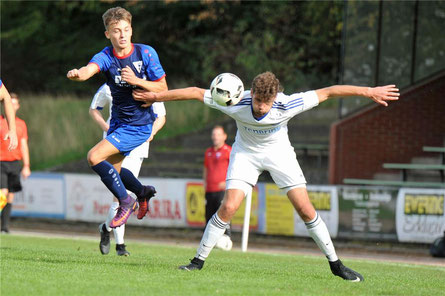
<point>265,86</point>
<point>116,14</point>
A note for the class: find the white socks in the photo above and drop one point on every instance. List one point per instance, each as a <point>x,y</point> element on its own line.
<point>213,232</point>
<point>118,231</point>
<point>319,232</point>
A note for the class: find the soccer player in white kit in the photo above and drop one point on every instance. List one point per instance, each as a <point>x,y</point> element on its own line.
<point>131,162</point>
<point>262,144</point>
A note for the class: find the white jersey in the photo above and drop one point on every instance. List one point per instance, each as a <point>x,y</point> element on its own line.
<point>269,131</point>
<point>103,97</point>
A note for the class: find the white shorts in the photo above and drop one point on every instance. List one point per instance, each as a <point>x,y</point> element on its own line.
<point>133,164</point>
<point>281,163</point>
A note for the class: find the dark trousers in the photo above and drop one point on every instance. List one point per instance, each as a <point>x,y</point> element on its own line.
<point>6,216</point>
<point>213,202</point>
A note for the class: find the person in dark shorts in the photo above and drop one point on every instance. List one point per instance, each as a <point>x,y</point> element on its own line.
<point>11,167</point>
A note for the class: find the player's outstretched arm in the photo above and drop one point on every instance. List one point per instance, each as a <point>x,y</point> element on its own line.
<point>10,117</point>
<point>379,94</point>
<point>83,73</point>
<point>181,94</point>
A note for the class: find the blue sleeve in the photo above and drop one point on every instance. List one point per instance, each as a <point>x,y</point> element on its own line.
<point>154,70</point>
<point>102,59</point>
<point>1,83</point>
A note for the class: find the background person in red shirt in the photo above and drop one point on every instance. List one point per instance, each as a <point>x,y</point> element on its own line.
<point>216,161</point>
<point>10,167</point>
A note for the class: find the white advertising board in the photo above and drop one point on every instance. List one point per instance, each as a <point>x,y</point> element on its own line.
<point>43,196</point>
<point>89,200</point>
<point>420,215</point>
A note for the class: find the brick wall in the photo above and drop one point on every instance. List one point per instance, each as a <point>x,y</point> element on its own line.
<point>361,143</point>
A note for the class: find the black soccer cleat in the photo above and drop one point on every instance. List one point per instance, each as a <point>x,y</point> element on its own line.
<point>104,245</point>
<point>195,264</point>
<point>344,272</point>
<point>121,251</point>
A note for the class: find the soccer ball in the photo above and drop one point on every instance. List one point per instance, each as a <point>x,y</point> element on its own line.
<point>227,89</point>
<point>224,243</point>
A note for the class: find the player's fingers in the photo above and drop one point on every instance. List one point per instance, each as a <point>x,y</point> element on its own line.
<point>388,98</point>
<point>146,105</point>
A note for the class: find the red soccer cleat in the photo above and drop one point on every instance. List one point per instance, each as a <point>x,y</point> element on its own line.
<point>147,193</point>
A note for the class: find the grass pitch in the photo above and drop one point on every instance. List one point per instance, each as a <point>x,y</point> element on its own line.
<point>58,266</point>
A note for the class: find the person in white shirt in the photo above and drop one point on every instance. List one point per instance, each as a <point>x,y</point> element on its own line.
<point>131,162</point>
<point>262,144</point>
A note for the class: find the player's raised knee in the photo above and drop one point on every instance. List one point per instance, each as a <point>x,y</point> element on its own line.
<point>92,158</point>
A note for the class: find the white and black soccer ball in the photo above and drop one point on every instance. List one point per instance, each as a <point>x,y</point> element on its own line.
<point>227,89</point>
<point>224,243</point>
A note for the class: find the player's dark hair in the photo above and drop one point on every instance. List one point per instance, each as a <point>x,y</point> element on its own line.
<point>114,15</point>
<point>265,86</point>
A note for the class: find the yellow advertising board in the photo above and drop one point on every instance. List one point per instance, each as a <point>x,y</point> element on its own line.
<point>195,204</point>
<point>279,211</point>
<point>195,207</point>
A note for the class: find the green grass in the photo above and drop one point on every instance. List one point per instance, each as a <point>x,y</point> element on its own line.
<point>50,266</point>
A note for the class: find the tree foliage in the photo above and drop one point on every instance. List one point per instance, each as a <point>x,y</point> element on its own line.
<point>195,40</point>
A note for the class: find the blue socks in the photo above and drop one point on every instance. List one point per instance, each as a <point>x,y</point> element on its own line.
<point>131,182</point>
<point>111,178</point>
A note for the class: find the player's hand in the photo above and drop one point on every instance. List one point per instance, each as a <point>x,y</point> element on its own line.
<point>144,96</point>
<point>73,74</point>
<point>128,76</point>
<point>382,94</point>
<point>13,141</point>
<point>222,185</point>
<point>26,172</point>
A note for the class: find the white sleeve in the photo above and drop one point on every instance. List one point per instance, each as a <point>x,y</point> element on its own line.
<point>209,101</point>
<point>159,109</point>
<point>297,103</point>
<point>101,98</point>
<point>229,110</point>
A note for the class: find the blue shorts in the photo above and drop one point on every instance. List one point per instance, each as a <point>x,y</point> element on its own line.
<point>126,137</point>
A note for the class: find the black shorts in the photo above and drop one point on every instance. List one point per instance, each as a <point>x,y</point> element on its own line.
<point>213,201</point>
<point>10,175</point>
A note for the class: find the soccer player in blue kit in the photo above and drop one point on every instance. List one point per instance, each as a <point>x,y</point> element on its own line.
<point>126,66</point>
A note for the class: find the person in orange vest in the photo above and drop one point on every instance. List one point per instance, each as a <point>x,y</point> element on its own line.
<point>10,163</point>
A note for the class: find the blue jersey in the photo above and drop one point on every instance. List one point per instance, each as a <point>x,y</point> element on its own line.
<point>144,62</point>
<point>1,83</point>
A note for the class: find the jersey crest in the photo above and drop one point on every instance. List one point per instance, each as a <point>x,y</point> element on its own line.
<point>138,66</point>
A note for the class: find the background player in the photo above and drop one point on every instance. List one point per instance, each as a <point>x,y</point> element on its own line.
<point>131,162</point>
<point>126,66</point>
<point>216,162</point>
<point>262,143</point>
<point>10,167</point>
<point>9,132</point>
